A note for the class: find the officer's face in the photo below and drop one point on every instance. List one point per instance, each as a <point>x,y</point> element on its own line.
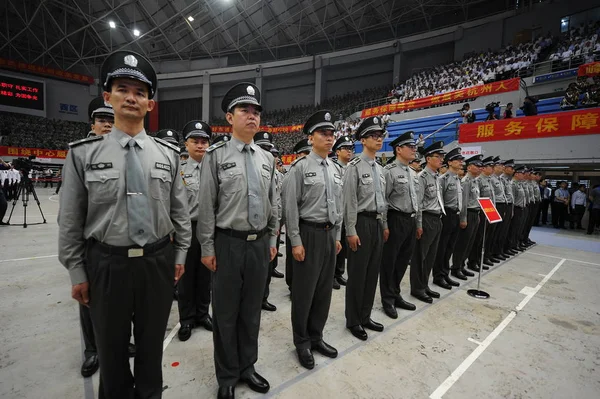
<point>129,99</point>
<point>456,164</point>
<point>244,119</point>
<point>344,154</point>
<point>196,147</point>
<point>488,170</point>
<point>322,140</point>
<point>509,170</point>
<point>102,125</point>
<point>474,170</point>
<point>407,152</point>
<point>373,141</point>
<point>498,169</point>
<point>435,161</point>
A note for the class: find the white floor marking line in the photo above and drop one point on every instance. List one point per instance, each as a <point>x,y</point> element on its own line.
<point>170,337</point>
<point>570,260</point>
<point>474,341</point>
<point>541,274</point>
<point>32,258</point>
<point>528,290</point>
<point>460,370</point>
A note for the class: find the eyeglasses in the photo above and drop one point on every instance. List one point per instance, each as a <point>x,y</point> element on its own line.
<point>105,120</point>
<point>349,149</point>
<point>375,136</point>
<point>437,156</point>
<point>411,146</point>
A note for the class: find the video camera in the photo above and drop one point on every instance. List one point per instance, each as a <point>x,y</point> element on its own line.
<point>25,164</point>
<point>491,106</point>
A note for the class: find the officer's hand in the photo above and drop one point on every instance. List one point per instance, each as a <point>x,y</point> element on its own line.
<point>210,262</point>
<point>419,233</point>
<point>463,225</point>
<point>273,253</point>
<point>353,243</point>
<point>298,253</point>
<point>179,270</point>
<point>338,247</point>
<point>386,235</point>
<point>80,292</point>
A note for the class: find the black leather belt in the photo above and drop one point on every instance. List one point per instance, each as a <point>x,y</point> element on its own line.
<point>433,214</point>
<point>320,226</point>
<point>450,210</point>
<point>520,207</point>
<point>372,215</point>
<point>473,210</point>
<point>400,213</point>
<point>244,235</point>
<point>133,251</point>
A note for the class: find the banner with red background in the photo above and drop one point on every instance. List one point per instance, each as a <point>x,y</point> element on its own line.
<point>571,123</point>
<point>277,129</point>
<point>46,71</point>
<point>591,69</point>
<point>503,86</point>
<point>26,152</point>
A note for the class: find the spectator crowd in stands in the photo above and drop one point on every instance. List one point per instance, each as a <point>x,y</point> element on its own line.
<point>36,132</point>
<point>578,46</point>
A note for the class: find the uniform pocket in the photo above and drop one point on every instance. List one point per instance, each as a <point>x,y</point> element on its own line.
<point>231,181</point>
<point>103,185</point>
<point>160,184</point>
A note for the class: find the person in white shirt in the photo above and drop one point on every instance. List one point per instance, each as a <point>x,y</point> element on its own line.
<point>578,203</point>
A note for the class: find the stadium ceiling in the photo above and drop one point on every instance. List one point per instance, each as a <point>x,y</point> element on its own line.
<point>77,34</point>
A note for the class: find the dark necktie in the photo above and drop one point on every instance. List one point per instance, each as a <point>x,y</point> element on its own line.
<point>255,208</point>
<point>137,197</point>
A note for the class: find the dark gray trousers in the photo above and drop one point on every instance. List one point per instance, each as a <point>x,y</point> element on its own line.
<point>120,287</point>
<point>289,268</point>
<point>194,286</point>
<point>237,291</point>
<point>465,240</point>
<point>425,252</point>
<point>363,271</point>
<point>516,227</point>
<point>340,259</point>
<point>503,243</point>
<point>475,253</point>
<point>87,330</point>
<point>448,238</point>
<point>397,252</point>
<point>533,209</point>
<point>311,287</point>
<point>495,239</point>
<point>272,266</point>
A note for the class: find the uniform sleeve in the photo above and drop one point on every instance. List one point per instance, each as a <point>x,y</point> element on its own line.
<point>466,189</point>
<point>389,185</point>
<point>350,199</point>
<point>273,218</point>
<point>292,192</point>
<point>180,215</point>
<point>72,214</point>
<point>208,204</point>
<point>339,206</point>
<point>420,196</point>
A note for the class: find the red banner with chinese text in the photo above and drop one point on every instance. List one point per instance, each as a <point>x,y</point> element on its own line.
<point>503,86</point>
<point>41,70</point>
<point>590,69</point>
<point>489,210</point>
<point>288,159</point>
<point>26,152</point>
<point>571,123</point>
<point>273,130</point>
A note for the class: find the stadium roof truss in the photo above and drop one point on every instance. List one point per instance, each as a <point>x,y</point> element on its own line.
<point>76,34</point>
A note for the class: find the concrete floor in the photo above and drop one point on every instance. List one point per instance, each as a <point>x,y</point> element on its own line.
<point>537,336</point>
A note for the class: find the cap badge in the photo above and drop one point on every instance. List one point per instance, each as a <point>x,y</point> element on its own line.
<point>327,116</point>
<point>376,121</point>
<point>266,135</point>
<point>169,133</point>
<point>107,104</point>
<point>412,136</point>
<point>130,60</point>
<point>198,125</point>
<point>250,90</point>
<point>226,138</point>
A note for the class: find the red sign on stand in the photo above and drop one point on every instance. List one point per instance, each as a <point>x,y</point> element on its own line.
<point>489,209</point>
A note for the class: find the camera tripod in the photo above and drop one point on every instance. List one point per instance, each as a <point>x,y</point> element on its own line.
<point>25,188</point>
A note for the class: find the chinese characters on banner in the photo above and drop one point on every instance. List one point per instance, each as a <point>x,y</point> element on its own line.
<point>41,70</point>
<point>288,159</point>
<point>591,69</point>
<point>278,129</point>
<point>489,210</point>
<point>570,123</point>
<point>503,86</point>
<point>26,152</point>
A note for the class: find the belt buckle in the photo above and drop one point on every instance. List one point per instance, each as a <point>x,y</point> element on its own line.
<point>328,226</point>
<point>379,216</point>
<point>412,215</point>
<point>252,237</point>
<point>135,252</point>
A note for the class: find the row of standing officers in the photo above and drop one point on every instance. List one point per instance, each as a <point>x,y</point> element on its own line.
<point>133,221</point>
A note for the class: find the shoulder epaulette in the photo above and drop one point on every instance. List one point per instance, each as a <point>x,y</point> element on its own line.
<point>391,165</point>
<point>355,161</point>
<point>167,144</point>
<point>86,140</point>
<point>297,160</point>
<point>216,145</point>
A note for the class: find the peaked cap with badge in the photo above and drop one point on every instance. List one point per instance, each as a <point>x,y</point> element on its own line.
<point>318,120</point>
<point>497,160</point>
<point>475,160</point>
<point>241,93</point>
<point>198,129</point>
<point>509,163</point>
<point>520,169</point>
<point>437,147</point>
<point>127,64</point>
<point>98,107</point>
<point>403,139</point>
<point>168,135</point>
<point>302,146</point>
<point>263,138</point>
<point>489,161</point>
<point>369,125</point>
<point>342,142</point>
<point>453,155</point>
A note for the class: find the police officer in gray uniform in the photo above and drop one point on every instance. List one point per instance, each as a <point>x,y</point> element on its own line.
<point>344,151</point>
<point>469,218</point>
<point>102,117</point>
<point>401,195</point>
<point>531,187</point>
<point>520,214</point>
<point>429,223</point>
<point>237,233</point>
<point>452,194</point>
<point>507,181</point>
<point>194,287</point>
<point>364,206</point>
<point>485,191</point>
<point>124,231</point>
<point>492,247</point>
<point>313,209</point>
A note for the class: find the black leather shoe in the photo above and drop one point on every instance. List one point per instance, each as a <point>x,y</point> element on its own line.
<point>325,349</point>
<point>226,393</point>
<point>495,259</point>
<point>268,306</point>
<point>131,350</point>
<point>443,284</point>
<point>206,323</point>
<point>185,332</point>
<point>341,280</point>
<point>473,268</point>
<point>431,293</point>
<point>390,311</point>
<point>521,248</point>
<point>488,262</point>
<point>359,332</point>
<point>501,257</point>
<point>467,273</point>
<point>279,254</point>
<point>458,274</point>
<point>257,383</point>
<point>336,285</point>
<point>276,273</point>
<point>531,242</point>
<point>306,359</point>
<point>373,325</point>
<point>451,282</point>
<point>402,304</point>
<point>90,366</point>
<point>281,242</point>
<point>486,267</point>
<point>511,252</point>
<point>422,297</point>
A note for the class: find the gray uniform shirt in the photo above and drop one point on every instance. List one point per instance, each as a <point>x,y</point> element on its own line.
<point>429,195</point>
<point>537,197</point>
<point>451,190</point>
<point>485,187</point>
<point>190,172</point>
<point>401,184</point>
<point>224,194</point>
<point>470,189</point>
<point>305,196</point>
<point>278,191</point>
<point>508,189</point>
<point>498,187</point>
<point>359,190</point>
<point>519,193</point>
<point>93,201</point>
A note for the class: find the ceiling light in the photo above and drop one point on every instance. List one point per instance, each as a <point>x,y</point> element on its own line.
<point>191,19</point>
<point>136,32</point>
<point>112,24</point>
